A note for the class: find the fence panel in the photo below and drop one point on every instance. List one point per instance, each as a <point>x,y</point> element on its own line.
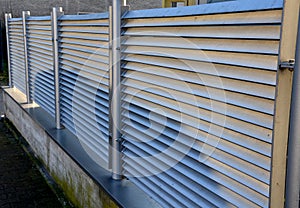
<point>199,88</point>
<point>84,65</point>
<point>198,103</point>
<point>40,55</point>
<point>16,46</point>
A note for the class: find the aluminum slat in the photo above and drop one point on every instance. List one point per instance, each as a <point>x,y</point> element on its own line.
<point>205,82</point>
<point>40,59</point>
<point>84,80</point>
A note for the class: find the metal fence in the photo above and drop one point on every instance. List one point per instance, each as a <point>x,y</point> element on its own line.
<point>196,102</point>
<point>201,77</point>
<point>40,62</point>
<point>16,54</point>
<point>84,79</point>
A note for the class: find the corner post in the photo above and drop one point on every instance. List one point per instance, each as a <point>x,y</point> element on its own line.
<point>7,17</point>
<point>56,13</point>
<point>25,15</point>
<point>111,125</point>
<point>293,169</point>
<point>289,29</point>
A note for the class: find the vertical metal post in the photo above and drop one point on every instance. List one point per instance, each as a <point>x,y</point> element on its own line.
<point>293,170</point>
<point>25,14</point>
<point>110,85</point>
<point>116,98</point>
<point>7,17</point>
<point>56,13</point>
<point>283,96</point>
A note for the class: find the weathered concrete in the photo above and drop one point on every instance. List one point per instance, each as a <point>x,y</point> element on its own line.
<point>77,185</point>
<point>21,183</point>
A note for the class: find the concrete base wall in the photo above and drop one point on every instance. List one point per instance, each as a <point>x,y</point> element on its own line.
<point>78,186</point>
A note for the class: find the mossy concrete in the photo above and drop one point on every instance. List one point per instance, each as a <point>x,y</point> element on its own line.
<point>80,189</point>
<point>21,183</point>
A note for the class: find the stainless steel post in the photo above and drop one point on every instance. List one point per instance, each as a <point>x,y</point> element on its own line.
<point>7,17</point>
<point>56,13</point>
<point>116,98</point>
<point>25,15</point>
<point>110,86</point>
<point>293,169</point>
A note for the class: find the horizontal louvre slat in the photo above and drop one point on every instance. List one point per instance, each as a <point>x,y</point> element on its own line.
<point>90,30</point>
<point>90,43</point>
<point>87,36</point>
<point>230,45</point>
<point>258,17</point>
<point>240,32</point>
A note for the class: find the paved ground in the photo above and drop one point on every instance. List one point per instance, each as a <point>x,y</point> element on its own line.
<point>2,83</point>
<point>21,183</point>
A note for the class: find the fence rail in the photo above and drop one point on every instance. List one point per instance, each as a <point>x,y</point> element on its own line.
<point>198,92</point>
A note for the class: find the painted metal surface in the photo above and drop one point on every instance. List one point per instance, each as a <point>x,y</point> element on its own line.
<point>201,95</point>
<point>25,15</point>
<point>7,17</point>
<point>84,81</point>
<point>85,17</point>
<point>220,8</point>
<point>198,102</point>
<point>56,13</point>
<point>16,50</point>
<point>40,56</point>
<point>293,170</point>
<point>283,96</point>
<point>116,90</point>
